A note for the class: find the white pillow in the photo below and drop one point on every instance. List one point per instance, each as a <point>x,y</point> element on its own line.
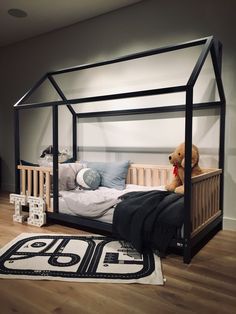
<point>67,175</point>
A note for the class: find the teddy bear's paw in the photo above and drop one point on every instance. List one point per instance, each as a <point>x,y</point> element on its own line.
<point>170,187</point>
<point>180,189</point>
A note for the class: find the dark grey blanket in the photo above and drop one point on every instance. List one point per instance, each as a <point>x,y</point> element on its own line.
<point>148,219</point>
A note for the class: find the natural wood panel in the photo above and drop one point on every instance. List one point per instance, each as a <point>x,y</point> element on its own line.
<point>207,285</point>
<point>38,182</point>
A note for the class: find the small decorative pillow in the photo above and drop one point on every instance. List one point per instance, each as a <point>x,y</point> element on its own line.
<point>88,179</point>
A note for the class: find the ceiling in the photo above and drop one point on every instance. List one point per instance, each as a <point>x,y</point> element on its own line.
<point>47,15</point>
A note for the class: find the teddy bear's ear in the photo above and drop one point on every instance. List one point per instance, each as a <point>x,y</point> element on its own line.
<point>193,163</point>
<point>195,157</point>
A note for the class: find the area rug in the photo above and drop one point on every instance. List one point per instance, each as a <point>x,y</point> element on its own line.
<point>82,258</point>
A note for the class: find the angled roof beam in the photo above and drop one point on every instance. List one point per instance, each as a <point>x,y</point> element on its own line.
<point>60,93</point>
<point>31,91</point>
<point>216,60</point>
<point>198,66</point>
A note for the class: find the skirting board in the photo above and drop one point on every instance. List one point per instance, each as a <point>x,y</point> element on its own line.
<point>229,223</point>
<point>7,187</point>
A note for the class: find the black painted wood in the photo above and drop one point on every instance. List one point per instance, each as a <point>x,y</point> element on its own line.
<point>210,45</point>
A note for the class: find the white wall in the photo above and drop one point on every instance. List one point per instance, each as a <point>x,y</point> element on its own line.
<point>146,25</point>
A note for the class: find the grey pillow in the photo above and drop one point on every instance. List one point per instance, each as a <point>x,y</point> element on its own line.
<point>88,179</point>
<point>113,174</point>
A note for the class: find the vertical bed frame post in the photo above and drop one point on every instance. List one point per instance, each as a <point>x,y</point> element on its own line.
<point>188,148</point>
<point>216,53</point>
<point>17,150</point>
<point>74,117</point>
<point>187,176</point>
<point>74,135</point>
<point>55,157</point>
<point>17,129</point>
<point>222,126</point>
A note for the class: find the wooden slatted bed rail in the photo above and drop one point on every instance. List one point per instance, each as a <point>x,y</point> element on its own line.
<point>36,181</point>
<point>205,199</point>
<point>149,175</point>
<point>205,190</point>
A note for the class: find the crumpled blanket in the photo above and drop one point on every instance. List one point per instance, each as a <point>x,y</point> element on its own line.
<point>90,204</point>
<point>148,219</point>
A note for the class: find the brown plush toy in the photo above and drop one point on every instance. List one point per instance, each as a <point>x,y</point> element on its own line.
<point>177,159</point>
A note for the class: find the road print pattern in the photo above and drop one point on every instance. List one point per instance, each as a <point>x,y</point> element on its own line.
<point>49,256</point>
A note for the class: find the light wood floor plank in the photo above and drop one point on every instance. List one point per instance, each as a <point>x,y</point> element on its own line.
<point>207,285</point>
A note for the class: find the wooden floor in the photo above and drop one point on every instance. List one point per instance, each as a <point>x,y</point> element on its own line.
<point>207,285</point>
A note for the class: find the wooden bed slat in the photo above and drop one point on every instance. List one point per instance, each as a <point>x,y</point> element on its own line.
<point>141,176</point>
<point>23,181</point>
<point>155,178</point>
<point>41,183</point>
<point>29,181</point>
<point>48,185</point>
<point>35,183</point>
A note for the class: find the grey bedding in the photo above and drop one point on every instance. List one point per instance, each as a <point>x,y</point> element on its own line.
<point>98,204</point>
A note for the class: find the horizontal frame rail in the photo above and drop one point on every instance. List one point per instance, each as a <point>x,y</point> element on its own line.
<point>133,56</point>
<point>171,108</point>
<point>152,110</point>
<point>142,93</point>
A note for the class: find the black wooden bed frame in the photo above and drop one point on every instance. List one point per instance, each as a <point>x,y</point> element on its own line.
<point>210,46</point>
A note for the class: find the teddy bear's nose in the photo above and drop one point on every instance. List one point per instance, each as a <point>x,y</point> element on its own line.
<point>169,157</point>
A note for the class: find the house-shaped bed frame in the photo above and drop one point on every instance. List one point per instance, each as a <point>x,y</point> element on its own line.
<point>212,223</point>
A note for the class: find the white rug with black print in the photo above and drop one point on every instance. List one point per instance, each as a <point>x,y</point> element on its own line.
<point>82,258</point>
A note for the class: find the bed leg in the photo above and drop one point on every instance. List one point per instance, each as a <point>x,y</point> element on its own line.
<point>187,259</point>
<point>187,256</point>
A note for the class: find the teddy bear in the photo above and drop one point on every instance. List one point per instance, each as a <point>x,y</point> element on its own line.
<point>177,159</point>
